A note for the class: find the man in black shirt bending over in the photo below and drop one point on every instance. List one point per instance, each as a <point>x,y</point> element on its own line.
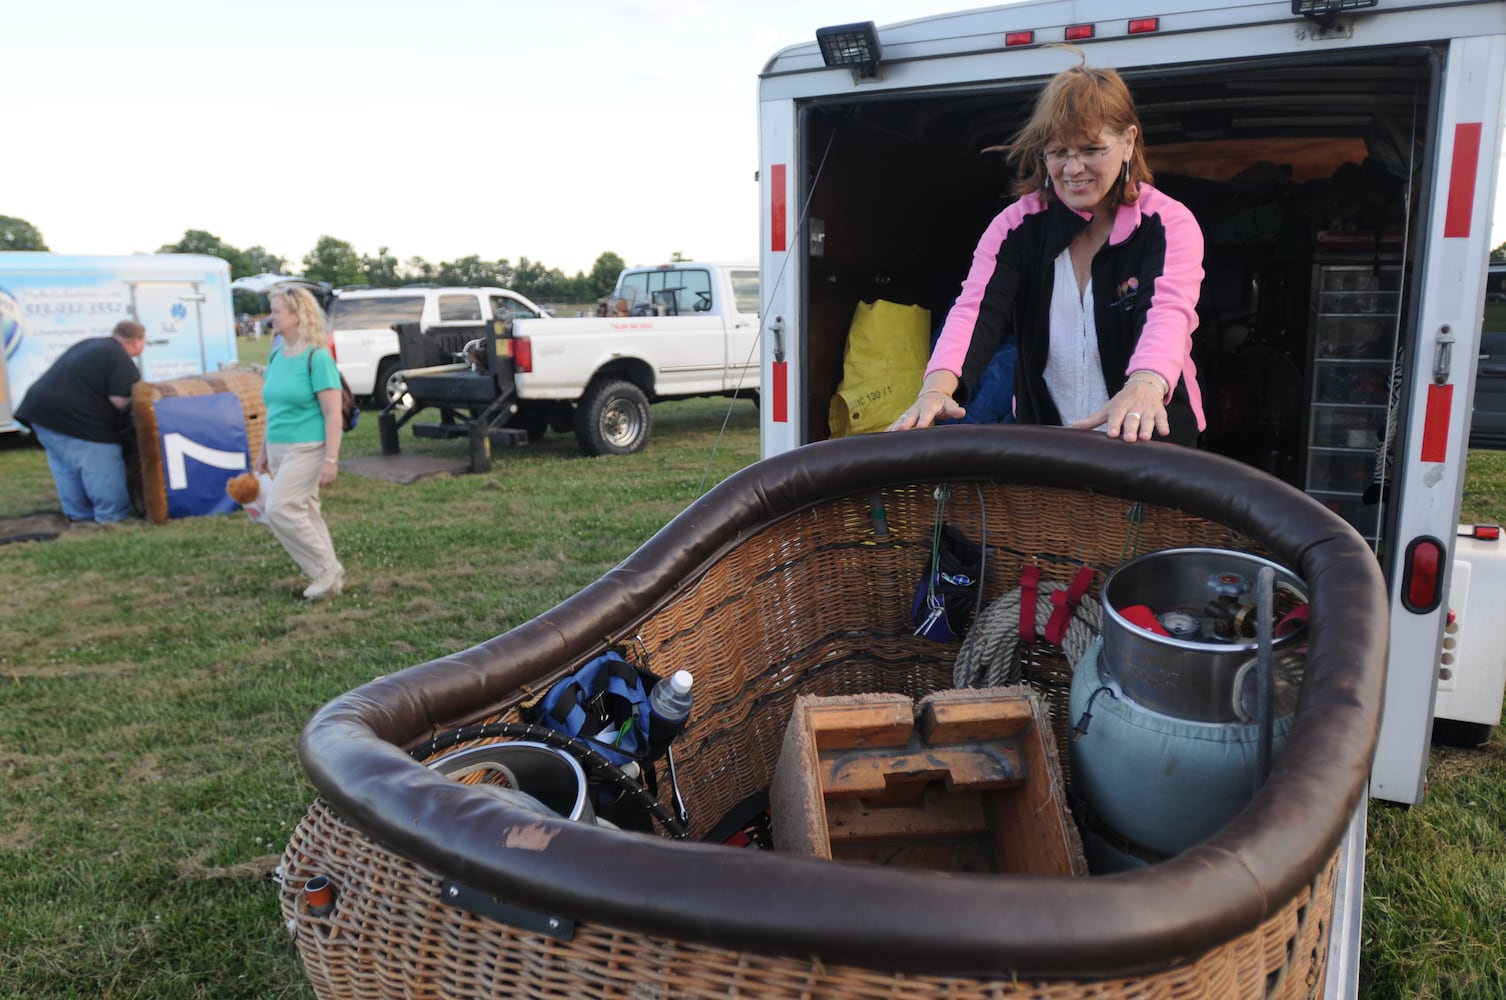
<point>76,410</point>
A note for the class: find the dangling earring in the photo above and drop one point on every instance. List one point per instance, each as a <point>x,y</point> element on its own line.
<point>1125,178</point>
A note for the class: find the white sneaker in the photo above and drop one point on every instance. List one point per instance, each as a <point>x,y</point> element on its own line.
<point>327,584</point>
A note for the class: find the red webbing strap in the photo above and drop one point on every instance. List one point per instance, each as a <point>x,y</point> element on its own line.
<point>1295,621</point>
<point>1066,602</point>
<point>1029,577</point>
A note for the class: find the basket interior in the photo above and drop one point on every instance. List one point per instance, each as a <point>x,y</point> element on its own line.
<point>766,596</point>
<point>818,603</point>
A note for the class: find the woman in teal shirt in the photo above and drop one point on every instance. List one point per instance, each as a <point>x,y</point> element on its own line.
<point>301,448</point>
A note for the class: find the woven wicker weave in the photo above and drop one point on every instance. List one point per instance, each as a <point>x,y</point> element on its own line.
<point>392,936</point>
<point>816,602</point>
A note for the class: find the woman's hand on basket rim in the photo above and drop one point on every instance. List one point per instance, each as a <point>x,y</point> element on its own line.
<point>1136,412</point>
<point>934,403</point>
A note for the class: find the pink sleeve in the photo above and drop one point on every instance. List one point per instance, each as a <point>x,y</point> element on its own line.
<point>1165,344</point>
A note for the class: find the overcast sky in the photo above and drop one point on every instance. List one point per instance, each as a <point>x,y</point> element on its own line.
<point>503,128</point>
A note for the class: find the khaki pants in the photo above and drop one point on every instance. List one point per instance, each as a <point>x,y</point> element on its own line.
<point>292,505</point>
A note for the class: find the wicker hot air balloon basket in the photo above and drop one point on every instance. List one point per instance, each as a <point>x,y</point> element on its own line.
<point>796,577</point>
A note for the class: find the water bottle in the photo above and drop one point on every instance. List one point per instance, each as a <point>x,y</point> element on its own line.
<point>669,707</point>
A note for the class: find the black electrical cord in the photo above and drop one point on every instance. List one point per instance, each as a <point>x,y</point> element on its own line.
<point>594,761</point>
<point>1081,729</point>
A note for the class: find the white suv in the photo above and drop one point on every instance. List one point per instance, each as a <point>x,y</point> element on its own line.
<point>366,350</point>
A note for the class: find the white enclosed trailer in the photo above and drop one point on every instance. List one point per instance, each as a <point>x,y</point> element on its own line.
<point>1341,161</point>
<point>49,302</point>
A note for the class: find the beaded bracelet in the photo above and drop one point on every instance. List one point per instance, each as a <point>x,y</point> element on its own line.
<point>1151,378</point>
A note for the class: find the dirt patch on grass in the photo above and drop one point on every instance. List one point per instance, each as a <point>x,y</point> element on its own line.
<point>388,583</point>
<point>48,671</point>
<point>145,768</point>
<point>32,527</point>
<point>255,868</point>
<point>23,772</point>
<point>1451,763</point>
<point>15,837</point>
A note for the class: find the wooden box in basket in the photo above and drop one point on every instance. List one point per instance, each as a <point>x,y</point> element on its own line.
<point>965,781</point>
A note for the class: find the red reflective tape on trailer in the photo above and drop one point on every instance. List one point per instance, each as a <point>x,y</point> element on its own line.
<point>781,392</point>
<point>1077,32</point>
<point>1461,181</point>
<point>777,202</point>
<point>1435,425</point>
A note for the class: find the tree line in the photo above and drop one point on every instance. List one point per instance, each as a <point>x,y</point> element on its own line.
<point>336,262</point>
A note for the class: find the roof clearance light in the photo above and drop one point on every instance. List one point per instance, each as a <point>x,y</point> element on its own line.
<point>1019,38</point>
<point>1324,11</point>
<point>1144,25</point>
<point>855,45</point>
<point>1077,32</point>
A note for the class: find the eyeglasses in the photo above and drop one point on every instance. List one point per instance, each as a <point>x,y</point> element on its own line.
<point>1088,156</point>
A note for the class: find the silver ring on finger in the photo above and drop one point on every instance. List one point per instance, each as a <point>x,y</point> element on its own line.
<point>1132,413</point>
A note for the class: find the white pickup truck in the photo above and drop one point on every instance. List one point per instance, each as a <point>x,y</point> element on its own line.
<point>667,332</point>
<point>362,320</point>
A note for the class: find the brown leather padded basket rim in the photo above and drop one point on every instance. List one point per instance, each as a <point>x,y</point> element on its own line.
<point>781,582</point>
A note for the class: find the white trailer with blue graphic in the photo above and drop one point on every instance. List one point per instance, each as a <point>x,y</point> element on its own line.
<point>49,302</point>
<point>1341,160</point>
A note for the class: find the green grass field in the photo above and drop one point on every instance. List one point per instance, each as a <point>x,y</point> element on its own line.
<point>153,681</point>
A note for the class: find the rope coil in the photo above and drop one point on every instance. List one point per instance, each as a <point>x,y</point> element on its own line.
<point>989,656</point>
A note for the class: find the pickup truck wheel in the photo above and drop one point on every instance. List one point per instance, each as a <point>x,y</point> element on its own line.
<point>390,385</point>
<point>612,418</point>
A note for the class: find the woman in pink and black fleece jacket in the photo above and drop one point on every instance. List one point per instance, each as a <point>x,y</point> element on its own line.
<point>1093,271</point>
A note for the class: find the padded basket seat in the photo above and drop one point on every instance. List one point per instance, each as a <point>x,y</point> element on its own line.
<point>795,576</point>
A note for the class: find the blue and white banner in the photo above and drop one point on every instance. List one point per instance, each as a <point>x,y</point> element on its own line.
<point>204,444</point>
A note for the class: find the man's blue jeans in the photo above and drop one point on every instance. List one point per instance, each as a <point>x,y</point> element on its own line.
<point>90,477</point>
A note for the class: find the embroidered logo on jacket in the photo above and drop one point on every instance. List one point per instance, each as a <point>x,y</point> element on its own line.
<point>1129,291</point>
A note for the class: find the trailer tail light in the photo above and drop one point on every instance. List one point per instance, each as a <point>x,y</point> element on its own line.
<point>1483,532</point>
<point>1019,38</point>
<point>522,355</point>
<point>1422,575</point>
<point>1079,32</point>
<point>1144,25</point>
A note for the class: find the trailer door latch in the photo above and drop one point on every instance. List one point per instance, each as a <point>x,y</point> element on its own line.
<point>1443,355</point>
